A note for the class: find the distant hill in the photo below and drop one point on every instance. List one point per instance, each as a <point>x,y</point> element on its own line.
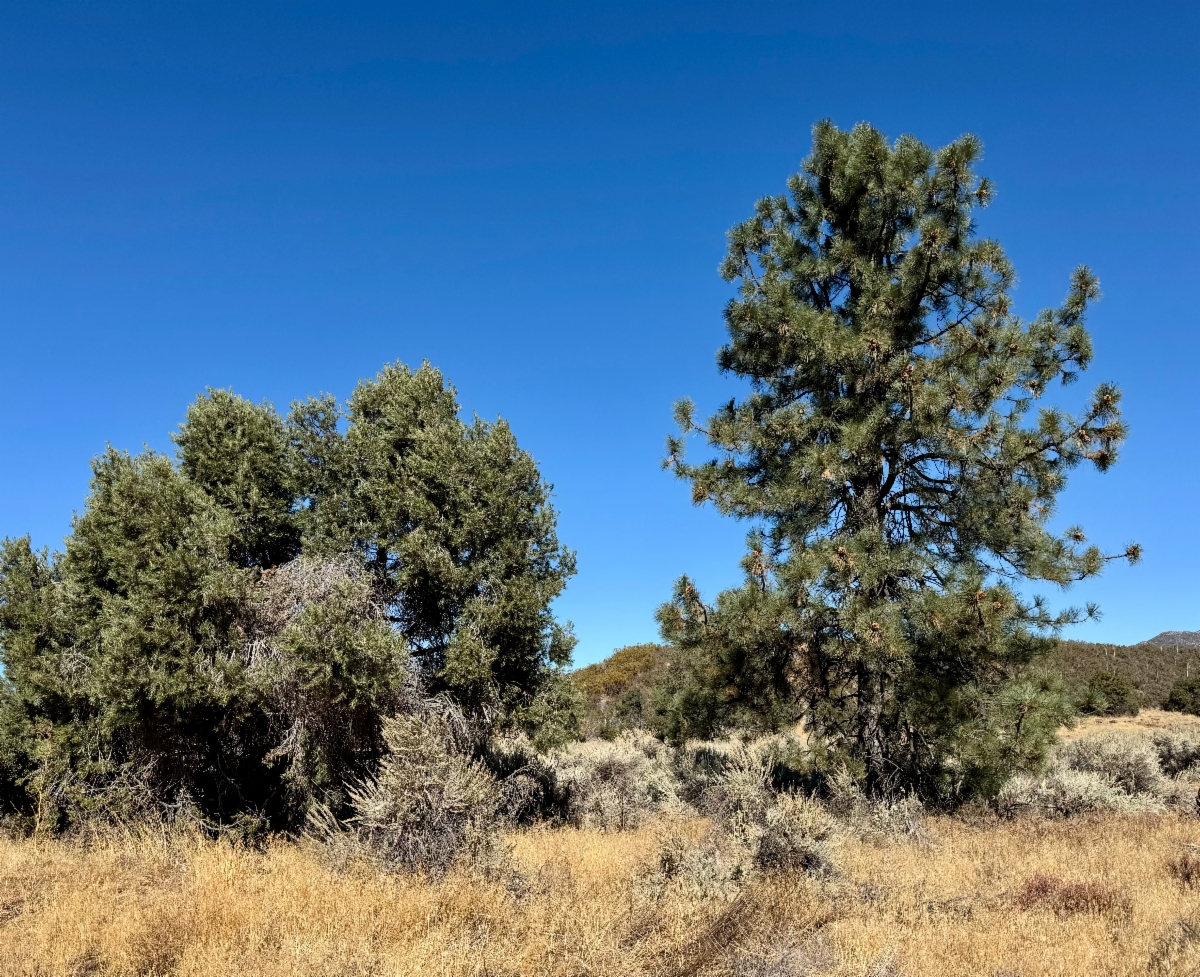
<point>617,689</point>
<point>618,686</point>
<point>624,667</point>
<point>1153,666</point>
<point>1176,639</point>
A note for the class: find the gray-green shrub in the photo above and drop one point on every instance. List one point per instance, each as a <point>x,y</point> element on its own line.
<point>615,784</point>
<point>1130,762</point>
<point>1069,793</point>
<point>431,802</point>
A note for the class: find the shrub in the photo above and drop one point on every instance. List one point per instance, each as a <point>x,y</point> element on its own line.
<point>713,868</point>
<point>790,764</point>
<point>874,818</point>
<point>1110,694</point>
<point>613,785</point>
<point>1130,763</point>
<point>430,804</point>
<point>1184,697</point>
<point>740,794</point>
<point>797,835</point>
<point>755,828</point>
<point>1178,751</point>
<point>1069,793</point>
<point>1071,898</point>
<point>782,759</point>
<point>330,668</point>
<point>529,788</point>
<point>1185,868</point>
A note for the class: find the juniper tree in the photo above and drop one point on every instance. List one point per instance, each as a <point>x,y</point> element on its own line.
<point>120,654</point>
<point>238,452</point>
<point>455,523</point>
<point>899,485</point>
<point>235,627</point>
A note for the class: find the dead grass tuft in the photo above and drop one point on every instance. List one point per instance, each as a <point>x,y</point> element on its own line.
<point>1185,867</point>
<point>1068,898</point>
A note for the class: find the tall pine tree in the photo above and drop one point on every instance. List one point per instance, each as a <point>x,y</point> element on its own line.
<point>899,487</point>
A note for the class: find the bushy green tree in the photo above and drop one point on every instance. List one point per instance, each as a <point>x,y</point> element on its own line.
<point>1184,697</point>
<point>1110,694</point>
<point>228,634</point>
<point>239,453</point>
<point>885,454</point>
<point>454,522</point>
<point>121,649</point>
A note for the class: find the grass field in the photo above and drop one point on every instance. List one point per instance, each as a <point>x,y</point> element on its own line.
<point>1102,895</point>
<point>968,901</point>
<point>1146,721</point>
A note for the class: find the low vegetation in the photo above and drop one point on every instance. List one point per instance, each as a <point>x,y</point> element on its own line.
<point>663,862</point>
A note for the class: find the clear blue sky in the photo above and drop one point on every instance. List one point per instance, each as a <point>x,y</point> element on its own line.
<point>282,197</point>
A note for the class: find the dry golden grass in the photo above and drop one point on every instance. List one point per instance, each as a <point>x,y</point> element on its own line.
<point>959,903</point>
<point>1146,721</point>
<point>1099,896</point>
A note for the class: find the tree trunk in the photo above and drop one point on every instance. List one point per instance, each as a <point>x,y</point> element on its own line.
<point>869,732</point>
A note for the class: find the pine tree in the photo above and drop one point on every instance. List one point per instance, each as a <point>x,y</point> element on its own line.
<point>898,487</point>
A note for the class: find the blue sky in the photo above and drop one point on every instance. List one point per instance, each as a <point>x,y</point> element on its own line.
<point>282,197</point>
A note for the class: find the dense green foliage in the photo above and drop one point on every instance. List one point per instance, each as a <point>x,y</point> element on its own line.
<point>225,636</point>
<point>1110,694</point>
<point>1184,696</point>
<point>896,482</point>
<point>1152,669</point>
<point>454,522</point>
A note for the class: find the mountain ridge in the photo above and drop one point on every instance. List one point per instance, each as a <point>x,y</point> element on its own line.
<point>1175,639</point>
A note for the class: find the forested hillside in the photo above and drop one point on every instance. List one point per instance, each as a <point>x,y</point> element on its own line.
<point>1153,669</point>
<point>619,690</point>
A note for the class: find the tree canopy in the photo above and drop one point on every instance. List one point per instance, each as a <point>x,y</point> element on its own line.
<point>898,483</point>
<point>229,631</point>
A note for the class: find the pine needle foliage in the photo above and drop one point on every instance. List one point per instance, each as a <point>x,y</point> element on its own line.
<point>898,479</point>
